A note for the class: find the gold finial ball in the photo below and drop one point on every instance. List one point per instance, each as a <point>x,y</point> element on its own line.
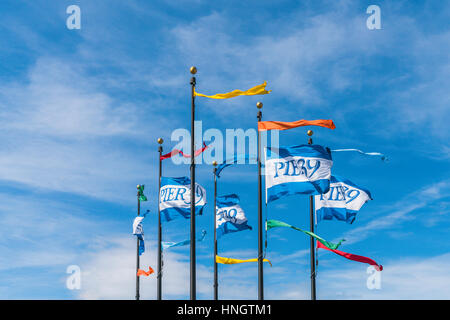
<point>138,186</point>
<point>214,163</point>
<point>193,70</point>
<point>259,105</point>
<point>160,140</point>
<point>310,133</point>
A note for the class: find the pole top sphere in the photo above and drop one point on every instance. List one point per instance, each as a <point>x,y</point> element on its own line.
<point>138,186</point>
<point>160,140</point>
<point>214,163</point>
<point>193,70</point>
<point>310,133</point>
<point>259,105</point>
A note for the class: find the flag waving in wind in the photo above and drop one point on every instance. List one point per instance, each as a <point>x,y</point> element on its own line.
<point>167,244</point>
<point>175,198</point>
<point>303,169</point>
<point>261,89</point>
<point>237,159</point>
<point>138,231</point>
<point>352,256</point>
<point>174,152</point>
<point>275,223</point>
<point>342,202</point>
<point>142,196</point>
<point>280,125</point>
<point>224,260</point>
<point>229,215</point>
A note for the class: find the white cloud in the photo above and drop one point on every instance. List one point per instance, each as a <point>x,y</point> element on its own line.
<point>62,132</point>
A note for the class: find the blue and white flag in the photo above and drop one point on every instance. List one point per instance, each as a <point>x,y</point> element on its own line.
<point>303,169</point>
<point>342,202</point>
<point>138,231</point>
<point>229,215</point>
<point>175,198</point>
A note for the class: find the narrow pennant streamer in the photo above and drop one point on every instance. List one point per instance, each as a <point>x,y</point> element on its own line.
<point>353,257</point>
<point>174,152</point>
<point>166,244</point>
<point>234,261</point>
<point>275,223</point>
<point>141,272</point>
<point>245,158</point>
<point>280,125</point>
<point>377,154</point>
<point>261,89</point>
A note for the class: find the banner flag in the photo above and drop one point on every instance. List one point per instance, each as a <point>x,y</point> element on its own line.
<point>377,154</point>
<point>166,244</point>
<point>275,223</point>
<point>342,202</point>
<point>229,215</point>
<point>261,89</point>
<point>281,125</point>
<point>174,152</point>
<point>142,197</point>
<point>244,158</point>
<point>223,260</point>
<point>302,169</point>
<point>175,198</point>
<point>353,257</point>
<point>138,231</point>
<point>144,273</point>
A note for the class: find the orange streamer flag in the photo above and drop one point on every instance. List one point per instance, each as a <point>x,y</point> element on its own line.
<point>141,272</point>
<point>280,125</point>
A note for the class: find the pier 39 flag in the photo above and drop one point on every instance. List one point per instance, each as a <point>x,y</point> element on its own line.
<point>175,198</point>
<point>229,215</point>
<point>302,169</point>
<point>342,202</point>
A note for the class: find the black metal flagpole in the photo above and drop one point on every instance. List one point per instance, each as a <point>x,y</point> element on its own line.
<point>259,105</point>
<point>159,277</point>
<point>216,283</point>
<point>312,243</point>
<point>137,247</point>
<point>193,71</point>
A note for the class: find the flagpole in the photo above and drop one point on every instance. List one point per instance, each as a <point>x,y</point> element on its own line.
<point>193,71</point>
<point>312,243</point>
<point>159,277</point>
<point>259,105</point>
<point>137,247</point>
<point>216,283</point>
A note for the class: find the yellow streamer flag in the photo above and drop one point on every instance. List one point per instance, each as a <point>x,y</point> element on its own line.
<point>261,89</point>
<point>234,261</point>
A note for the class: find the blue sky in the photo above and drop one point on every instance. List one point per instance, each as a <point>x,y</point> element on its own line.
<point>80,112</point>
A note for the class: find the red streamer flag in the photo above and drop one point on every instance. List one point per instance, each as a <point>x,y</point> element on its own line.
<point>353,257</point>
<point>174,152</point>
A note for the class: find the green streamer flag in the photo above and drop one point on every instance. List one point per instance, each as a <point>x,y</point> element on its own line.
<point>142,196</point>
<point>275,223</point>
